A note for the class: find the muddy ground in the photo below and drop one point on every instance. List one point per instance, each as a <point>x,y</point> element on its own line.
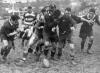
<point>85,63</point>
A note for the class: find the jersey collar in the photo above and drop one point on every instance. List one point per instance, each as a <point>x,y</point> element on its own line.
<point>10,22</point>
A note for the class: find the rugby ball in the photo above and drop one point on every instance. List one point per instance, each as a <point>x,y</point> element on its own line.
<point>46,63</point>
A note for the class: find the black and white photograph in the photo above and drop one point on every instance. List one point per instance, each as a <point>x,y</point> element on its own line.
<point>49,36</point>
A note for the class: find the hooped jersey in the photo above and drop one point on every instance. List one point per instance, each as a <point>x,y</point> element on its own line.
<point>29,18</point>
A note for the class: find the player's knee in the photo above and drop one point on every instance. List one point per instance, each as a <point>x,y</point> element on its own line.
<point>72,46</point>
<point>5,50</point>
<point>25,52</point>
<point>47,43</point>
<point>91,41</point>
<point>92,37</point>
<point>5,42</point>
<point>2,50</point>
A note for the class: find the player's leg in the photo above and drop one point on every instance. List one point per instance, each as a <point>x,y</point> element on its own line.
<point>5,49</point>
<point>83,37</point>
<point>91,38</point>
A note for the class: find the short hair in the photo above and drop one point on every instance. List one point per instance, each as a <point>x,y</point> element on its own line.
<point>92,10</point>
<point>68,9</point>
<point>43,10</point>
<point>15,17</point>
<point>29,7</point>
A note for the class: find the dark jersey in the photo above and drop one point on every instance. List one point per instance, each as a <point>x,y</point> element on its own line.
<point>65,24</point>
<point>49,23</point>
<point>7,28</point>
<point>39,31</point>
<point>87,27</point>
<point>56,14</point>
<point>76,18</point>
<point>48,18</point>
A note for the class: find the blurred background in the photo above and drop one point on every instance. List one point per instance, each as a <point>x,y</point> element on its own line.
<point>80,7</point>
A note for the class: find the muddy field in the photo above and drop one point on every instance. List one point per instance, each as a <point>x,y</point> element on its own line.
<point>85,63</point>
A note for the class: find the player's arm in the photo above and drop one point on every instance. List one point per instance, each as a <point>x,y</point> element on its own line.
<point>37,26</point>
<point>97,20</point>
<point>13,33</point>
<point>16,31</point>
<point>23,18</point>
<point>84,18</point>
<point>77,19</point>
<point>72,22</point>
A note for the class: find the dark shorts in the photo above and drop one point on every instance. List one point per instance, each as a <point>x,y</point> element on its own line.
<point>40,34</point>
<point>65,37</point>
<point>85,35</point>
<point>52,37</point>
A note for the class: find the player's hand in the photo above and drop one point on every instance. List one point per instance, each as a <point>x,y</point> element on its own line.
<point>11,34</point>
<point>90,21</point>
<point>72,28</point>
<point>41,27</point>
<point>53,29</point>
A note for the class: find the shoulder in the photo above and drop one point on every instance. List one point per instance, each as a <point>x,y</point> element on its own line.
<point>85,16</point>
<point>6,23</point>
<point>58,11</point>
<point>61,16</point>
<point>96,16</point>
<point>74,16</point>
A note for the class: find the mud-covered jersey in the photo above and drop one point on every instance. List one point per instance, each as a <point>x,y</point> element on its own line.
<point>65,24</point>
<point>88,27</point>
<point>29,18</point>
<point>7,28</point>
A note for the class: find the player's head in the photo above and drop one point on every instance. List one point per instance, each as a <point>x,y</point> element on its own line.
<point>14,19</point>
<point>52,6</point>
<point>29,9</point>
<point>92,10</point>
<point>43,10</point>
<point>91,13</point>
<point>68,10</point>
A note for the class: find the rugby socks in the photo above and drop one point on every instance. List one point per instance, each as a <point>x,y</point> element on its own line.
<point>30,50</point>
<point>82,44</point>
<point>72,52</point>
<point>89,46</point>
<point>53,52</point>
<point>59,53</point>
<point>2,51</point>
<point>5,51</point>
<point>46,51</point>
<point>25,54</point>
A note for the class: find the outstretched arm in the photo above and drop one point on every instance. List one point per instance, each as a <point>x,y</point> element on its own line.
<point>77,19</point>
<point>73,24</point>
<point>97,20</point>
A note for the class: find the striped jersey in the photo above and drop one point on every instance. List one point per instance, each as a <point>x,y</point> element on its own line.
<point>29,18</point>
